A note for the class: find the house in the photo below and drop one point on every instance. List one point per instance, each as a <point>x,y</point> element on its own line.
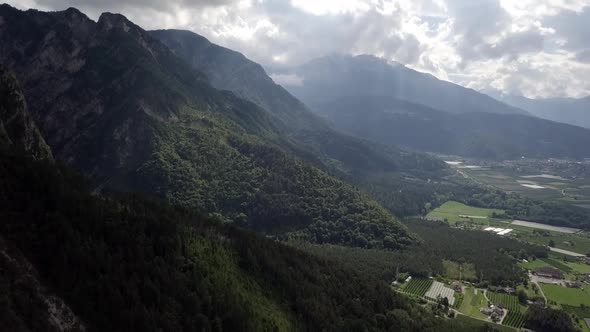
<point>507,290</point>
<point>573,284</point>
<point>548,272</point>
<point>486,311</point>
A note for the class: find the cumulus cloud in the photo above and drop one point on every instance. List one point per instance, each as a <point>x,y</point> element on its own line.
<point>530,47</point>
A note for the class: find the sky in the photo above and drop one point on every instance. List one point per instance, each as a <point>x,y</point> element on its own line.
<point>535,48</point>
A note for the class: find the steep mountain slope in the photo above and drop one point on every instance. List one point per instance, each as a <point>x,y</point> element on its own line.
<point>123,262</point>
<point>401,180</point>
<point>334,76</point>
<point>17,128</point>
<point>230,70</point>
<point>566,110</point>
<point>126,263</point>
<point>482,135</point>
<point>118,105</point>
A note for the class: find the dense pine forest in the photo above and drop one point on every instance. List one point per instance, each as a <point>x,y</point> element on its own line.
<point>125,262</point>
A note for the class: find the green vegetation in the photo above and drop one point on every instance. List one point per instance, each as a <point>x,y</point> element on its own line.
<point>472,324</point>
<point>417,287</point>
<point>548,320</point>
<point>128,263</point>
<point>514,319</point>
<point>495,260</point>
<point>567,296</point>
<point>579,243</point>
<point>515,316</point>
<point>452,212</point>
<point>459,271</point>
<point>473,300</point>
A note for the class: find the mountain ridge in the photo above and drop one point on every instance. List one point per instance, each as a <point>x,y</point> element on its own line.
<point>132,115</point>
<point>368,75</point>
<point>481,135</point>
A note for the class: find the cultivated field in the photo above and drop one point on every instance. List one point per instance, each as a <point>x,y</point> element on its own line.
<point>417,287</point>
<point>545,227</point>
<point>453,212</point>
<point>567,296</point>
<point>473,300</point>
<point>578,243</point>
<point>538,186</point>
<point>515,317</point>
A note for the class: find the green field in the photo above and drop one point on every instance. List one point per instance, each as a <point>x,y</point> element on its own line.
<point>417,287</point>
<point>453,271</point>
<point>451,211</point>
<point>463,321</point>
<point>579,243</point>
<point>473,302</point>
<point>571,190</point>
<point>567,296</point>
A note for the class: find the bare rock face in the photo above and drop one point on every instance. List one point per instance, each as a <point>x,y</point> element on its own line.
<point>17,127</point>
<point>43,311</point>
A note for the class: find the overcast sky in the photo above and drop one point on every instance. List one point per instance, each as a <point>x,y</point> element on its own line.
<point>538,48</point>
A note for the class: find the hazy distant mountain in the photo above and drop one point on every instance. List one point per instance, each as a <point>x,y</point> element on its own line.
<point>335,76</point>
<point>566,110</point>
<point>482,135</point>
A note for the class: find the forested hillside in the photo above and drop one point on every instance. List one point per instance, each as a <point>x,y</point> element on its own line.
<point>124,262</point>
<point>399,179</point>
<point>116,104</point>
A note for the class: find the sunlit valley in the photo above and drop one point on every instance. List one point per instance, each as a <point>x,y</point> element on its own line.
<point>344,166</point>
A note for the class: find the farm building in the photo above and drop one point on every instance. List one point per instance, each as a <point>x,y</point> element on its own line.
<point>506,290</point>
<point>549,272</point>
<point>573,284</point>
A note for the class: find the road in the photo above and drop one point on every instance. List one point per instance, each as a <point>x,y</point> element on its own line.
<point>566,252</point>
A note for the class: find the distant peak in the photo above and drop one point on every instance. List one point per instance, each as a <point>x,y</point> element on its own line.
<point>108,21</point>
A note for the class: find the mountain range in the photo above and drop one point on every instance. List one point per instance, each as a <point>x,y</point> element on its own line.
<point>391,104</point>
<point>574,111</point>
<point>154,181</point>
<point>326,78</point>
<point>118,105</point>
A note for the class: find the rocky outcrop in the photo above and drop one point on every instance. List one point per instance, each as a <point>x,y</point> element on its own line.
<point>26,304</point>
<point>17,127</point>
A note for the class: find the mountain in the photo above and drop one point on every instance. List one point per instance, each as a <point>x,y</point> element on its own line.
<point>118,105</point>
<point>403,181</point>
<point>232,71</point>
<point>124,262</point>
<point>480,135</point>
<point>330,77</point>
<point>17,128</point>
<point>73,259</point>
<point>574,111</point>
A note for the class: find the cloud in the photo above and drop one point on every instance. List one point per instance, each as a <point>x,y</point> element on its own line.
<point>530,47</point>
<point>287,79</point>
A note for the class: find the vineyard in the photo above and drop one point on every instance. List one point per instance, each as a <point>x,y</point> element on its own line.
<point>417,287</point>
<point>515,317</point>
